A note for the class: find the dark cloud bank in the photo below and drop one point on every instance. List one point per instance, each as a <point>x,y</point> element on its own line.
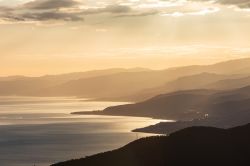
<point>239,3</point>
<point>46,10</point>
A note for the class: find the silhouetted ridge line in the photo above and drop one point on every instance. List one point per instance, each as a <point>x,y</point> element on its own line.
<point>195,146</point>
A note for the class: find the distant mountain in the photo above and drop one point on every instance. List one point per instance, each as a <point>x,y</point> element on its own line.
<point>236,66</point>
<point>230,83</point>
<point>183,105</point>
<point>10,78</point>
<point>194,146</point>
<point>189,105</point>
<point>113,85</point>
<point>129,85</point>
<point>91,73</point>
<point>135,85</point>
<point>32,86</point>
<point>198,81</point>
<point>138,86</point>
<point>126,84</point>
<point>224,109</point>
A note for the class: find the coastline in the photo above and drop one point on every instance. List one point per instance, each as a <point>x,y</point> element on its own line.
<point>147,129</point>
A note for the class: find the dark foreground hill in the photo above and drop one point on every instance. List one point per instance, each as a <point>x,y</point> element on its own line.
<point>194,146</point>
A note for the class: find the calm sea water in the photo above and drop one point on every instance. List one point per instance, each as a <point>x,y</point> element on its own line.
<point>42,131</point>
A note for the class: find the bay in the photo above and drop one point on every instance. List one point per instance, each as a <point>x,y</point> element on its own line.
<point>41,130</point>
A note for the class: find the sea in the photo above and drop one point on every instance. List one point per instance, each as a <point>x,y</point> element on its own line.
<point>41,131</point>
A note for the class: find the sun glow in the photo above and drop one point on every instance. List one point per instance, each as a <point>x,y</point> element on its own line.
<point>83,35</point>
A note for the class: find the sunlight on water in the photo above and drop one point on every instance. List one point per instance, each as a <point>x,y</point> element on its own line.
<point>42,131</point>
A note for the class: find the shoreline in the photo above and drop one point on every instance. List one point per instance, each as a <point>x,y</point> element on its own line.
<point>136,130</point>
<point>100,112</point>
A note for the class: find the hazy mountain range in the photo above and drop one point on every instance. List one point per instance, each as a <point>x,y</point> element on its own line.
<point>215,95</point>
<point>226,108</point>
<point>136,84</point>
<point>203,99</point>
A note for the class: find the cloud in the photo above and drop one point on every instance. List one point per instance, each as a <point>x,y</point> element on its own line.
<point>76,10</point>
<point>46,16</point>
<point>50,4</point>
<point>117,9</point>
<point>238,3</point>
<point>39,17</point>
<point>139,14</point>
<point>58,10</point>
<point>40,11</point>
<point>114,9</point>
<point>200,12</point>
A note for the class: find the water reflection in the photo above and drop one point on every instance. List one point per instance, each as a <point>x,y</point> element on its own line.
<point>41,130</point>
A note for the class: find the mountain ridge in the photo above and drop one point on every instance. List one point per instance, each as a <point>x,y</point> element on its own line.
<point>124,84</point>
<point>191,146</point>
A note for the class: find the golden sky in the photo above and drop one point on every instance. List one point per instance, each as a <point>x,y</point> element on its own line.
<point>57,36</point>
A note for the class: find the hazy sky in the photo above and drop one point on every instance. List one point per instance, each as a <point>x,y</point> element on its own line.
<point>57,36</point>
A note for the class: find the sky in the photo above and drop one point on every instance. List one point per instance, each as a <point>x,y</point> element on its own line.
<point>59,36</point>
